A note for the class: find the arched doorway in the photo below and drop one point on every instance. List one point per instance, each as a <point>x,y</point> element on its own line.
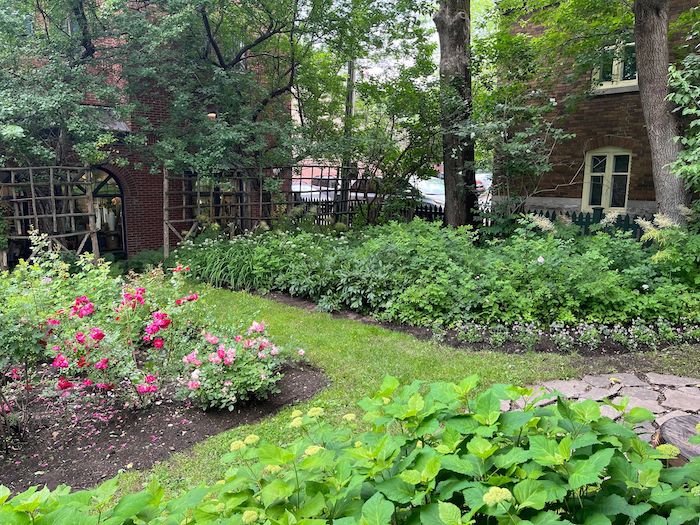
<point>108,197</point>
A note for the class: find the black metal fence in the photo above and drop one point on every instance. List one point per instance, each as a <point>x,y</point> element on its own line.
<point>585,220</point>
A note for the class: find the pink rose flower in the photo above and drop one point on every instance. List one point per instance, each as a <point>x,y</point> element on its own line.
<point>150,378</point>
<point>191,359</point>
<point>80,337</point>
<point>193,385</point>
<point>209,338</point>
<point>87,382</point>
<point>158,342</point>
<point>214,359</point>
<point>97,334</point>
<point>102,364</point>
<point>60,361</point>
<point>256,328</point>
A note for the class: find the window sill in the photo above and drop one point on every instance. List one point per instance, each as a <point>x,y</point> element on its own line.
<point>614,89</point>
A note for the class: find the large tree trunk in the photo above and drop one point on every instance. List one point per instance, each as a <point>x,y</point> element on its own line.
<point>452,21</point>
<point>651,39</point>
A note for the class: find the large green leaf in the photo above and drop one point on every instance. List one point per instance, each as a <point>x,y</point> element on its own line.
<point>449,513</point>
<point>396,489</point>
<point>377,511</point>
<point>530,493</point>
<point>276,490</point>
<point>589,471</point>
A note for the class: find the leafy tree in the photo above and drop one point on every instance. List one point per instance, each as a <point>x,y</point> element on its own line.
<point>453,23</point>
<point>584,31</point>
<point>685,82</point>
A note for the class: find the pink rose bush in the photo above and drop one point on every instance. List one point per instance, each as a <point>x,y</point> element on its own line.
<point>224,370</point>
<point>137,339</point>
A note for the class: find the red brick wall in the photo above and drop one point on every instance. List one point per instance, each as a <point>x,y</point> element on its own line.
<point>143,190</point>
<point>603,120</point>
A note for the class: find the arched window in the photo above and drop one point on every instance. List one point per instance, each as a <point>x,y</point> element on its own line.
<point>607,178</point>
<point>109,211</point>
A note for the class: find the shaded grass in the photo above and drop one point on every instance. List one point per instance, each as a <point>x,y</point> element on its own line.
<point>356,356</point>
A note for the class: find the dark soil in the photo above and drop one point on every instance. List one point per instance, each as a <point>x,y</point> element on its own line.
<point>91,440</point>
<point>608,357</point>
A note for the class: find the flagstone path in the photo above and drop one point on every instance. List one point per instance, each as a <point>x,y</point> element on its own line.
<point>667,396</point>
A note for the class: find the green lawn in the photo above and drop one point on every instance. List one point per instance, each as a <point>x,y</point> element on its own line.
<point>356,356</point>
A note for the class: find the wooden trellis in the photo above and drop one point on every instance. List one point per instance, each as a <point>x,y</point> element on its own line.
<point>236,202</point>
<point>55,200</point>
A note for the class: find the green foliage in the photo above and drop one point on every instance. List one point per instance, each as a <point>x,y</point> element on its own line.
<point>145,260</point>
<point>685,83</point>
<point>431,453</point>
<point>422,274</point>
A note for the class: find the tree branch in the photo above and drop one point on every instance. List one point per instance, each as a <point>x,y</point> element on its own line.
<point>212,39</point>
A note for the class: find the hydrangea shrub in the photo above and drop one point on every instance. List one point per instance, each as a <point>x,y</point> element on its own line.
<point>434,454</point>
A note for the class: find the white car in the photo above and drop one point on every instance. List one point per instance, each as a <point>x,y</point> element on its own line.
<point>433,189</point>
<point>324,190</point>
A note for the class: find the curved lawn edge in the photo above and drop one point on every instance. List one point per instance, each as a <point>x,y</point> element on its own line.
<point>355,357</point>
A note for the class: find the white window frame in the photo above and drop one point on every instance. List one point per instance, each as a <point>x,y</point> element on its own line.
<point>610,153</point>
<point>617,84</point>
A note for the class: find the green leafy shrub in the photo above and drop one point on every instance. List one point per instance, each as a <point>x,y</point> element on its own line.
<point>134,339</point>
<point>422,274</point>
<point>145,260</point>
<point>432,454</point>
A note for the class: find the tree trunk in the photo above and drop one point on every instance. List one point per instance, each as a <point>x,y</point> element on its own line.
<point>452,21</point>
<point>651,40</point>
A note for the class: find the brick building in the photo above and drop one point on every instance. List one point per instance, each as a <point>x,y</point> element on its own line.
<point>608,164</point>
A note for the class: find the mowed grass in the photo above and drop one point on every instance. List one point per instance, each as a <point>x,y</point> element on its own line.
<point>356,357</point>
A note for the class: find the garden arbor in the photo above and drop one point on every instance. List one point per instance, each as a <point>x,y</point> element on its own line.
<point>55,200</point>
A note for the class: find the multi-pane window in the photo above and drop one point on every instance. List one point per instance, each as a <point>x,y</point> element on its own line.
<point>606,180</point>
<point>617,69</point>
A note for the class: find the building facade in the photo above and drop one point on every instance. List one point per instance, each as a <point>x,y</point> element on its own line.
<point>608,163</point>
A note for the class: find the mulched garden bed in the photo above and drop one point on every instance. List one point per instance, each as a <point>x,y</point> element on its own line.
<point>617,356</point>
<point>91,442</point>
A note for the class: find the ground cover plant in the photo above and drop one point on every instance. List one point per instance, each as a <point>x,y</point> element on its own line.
<point>78,337</point>
<point>433,453</point>
<point>543,279</point>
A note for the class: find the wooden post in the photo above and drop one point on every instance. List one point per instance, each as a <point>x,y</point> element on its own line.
<point>53,201</point>
<point>166,216</point>
<point>33,193</point>
<point>91,215</point>
<point>15,204</point>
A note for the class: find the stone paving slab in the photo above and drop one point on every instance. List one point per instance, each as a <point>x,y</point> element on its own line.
<point>681,401</point>
<point>670,415</point>
<point>669,380</point>
<point>640,393</point>
<point>667,396</point>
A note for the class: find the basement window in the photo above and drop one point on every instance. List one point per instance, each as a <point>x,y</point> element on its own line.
<point>606,180</point>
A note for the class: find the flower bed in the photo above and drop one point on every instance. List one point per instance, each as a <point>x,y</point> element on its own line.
<point>543,279</point>
<point>432,454</point>
<point>137,341</point>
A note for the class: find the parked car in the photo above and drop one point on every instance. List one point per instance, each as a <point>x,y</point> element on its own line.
<point>325,190</point>
<point>433,189</point>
